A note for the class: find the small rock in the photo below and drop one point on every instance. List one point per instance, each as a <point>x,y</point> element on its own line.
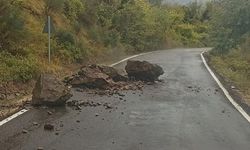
<point>78,121</point>
<point>79,90</point>
<point>49,112</point>
<point>233,87</point>
<point>49,127</point>
<point>40,148</point>
<point>35,123</point>
<point>223,111</point>
<point>108,106</point>
<point>17,94</point>
<point>25,131</point>
<point>122,95</point>
<point>78,108</point>
<point>71,103</point>
<point>150,83</point>
<point>57,133</point>
<point>97,114</point>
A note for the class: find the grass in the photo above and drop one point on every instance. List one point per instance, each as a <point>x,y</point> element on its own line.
<point>235,68</point>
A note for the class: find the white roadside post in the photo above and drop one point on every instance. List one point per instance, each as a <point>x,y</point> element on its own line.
<point>49,29</point>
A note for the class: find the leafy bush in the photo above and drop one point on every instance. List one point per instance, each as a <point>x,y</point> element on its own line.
<point>73,8</point>
<point>11,24</point>
<point>13,68</point>
<point>234,67</point>
<point>65,37</point>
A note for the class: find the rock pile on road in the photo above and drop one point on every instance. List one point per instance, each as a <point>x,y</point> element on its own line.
<point>107,78</point>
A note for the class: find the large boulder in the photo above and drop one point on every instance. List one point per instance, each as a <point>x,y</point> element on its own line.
<point>112,73</point>
<point>50,91</point>
<point>143,70</point>
<point>91,77</point>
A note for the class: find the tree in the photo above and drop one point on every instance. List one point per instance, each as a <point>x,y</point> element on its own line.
<point>230,28</point>
<point>193,12</point>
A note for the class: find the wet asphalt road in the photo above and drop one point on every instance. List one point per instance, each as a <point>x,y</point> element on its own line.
<point>185,112</point>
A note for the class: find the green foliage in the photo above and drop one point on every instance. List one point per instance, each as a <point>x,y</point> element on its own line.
<point>137,25</point>
<point>230,28</point>
<point>231,36</point>
<point>16,68</point>
<point>67,49</point>
<point>65,37</point>
<point>73,8</point>
<point>71,54</point>
<point>193,12</point>
<point>234,68</point>
<point>11,24</point>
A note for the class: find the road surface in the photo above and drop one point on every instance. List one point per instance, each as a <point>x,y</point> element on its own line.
<point>185,112</point>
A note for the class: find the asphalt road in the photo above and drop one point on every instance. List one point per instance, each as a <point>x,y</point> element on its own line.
<point>185,112</point>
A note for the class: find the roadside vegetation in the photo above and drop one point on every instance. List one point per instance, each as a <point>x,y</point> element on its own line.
<point>91,30</point>
<point>230,33</point>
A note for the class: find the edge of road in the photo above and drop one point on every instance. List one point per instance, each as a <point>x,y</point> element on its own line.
<point>4,121</point>
<point>225,91</point>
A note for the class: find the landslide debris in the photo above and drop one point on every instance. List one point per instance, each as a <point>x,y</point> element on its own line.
<point>103,80</point>
<point>108,79</point>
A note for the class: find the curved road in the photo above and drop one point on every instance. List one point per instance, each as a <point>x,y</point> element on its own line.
<point>185,112</point>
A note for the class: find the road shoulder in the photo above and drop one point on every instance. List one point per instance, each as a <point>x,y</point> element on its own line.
<point>235,94</point>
